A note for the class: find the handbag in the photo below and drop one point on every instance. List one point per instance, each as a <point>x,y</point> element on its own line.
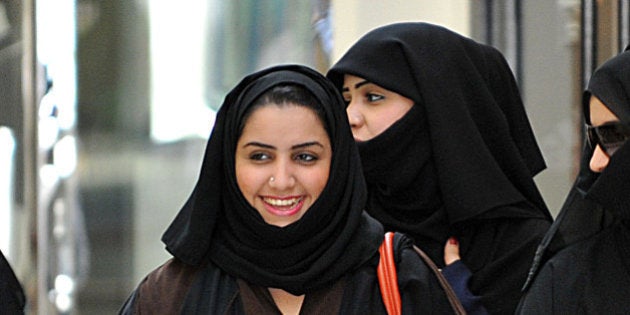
<point>388,279</point>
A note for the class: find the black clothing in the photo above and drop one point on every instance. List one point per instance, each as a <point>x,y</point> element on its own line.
<point>588,277</point>
<point>461,162</point>
<point>218,239</point>
<point>12,299</point>
<point>209,290</point>
<point>582,265</point>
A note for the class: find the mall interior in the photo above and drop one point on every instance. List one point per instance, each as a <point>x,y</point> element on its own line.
<point>106,106</point>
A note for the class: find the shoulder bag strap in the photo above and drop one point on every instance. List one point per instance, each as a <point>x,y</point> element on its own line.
<point>457,306</point>
<point>387,277</point>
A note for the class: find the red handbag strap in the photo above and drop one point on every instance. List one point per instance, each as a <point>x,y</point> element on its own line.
<point>387,278</point>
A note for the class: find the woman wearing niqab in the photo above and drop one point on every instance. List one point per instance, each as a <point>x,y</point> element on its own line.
<point>461,161</point>
<point>225,256</point>
<point>583,265</point>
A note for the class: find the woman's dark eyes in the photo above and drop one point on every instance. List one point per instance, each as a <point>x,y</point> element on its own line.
<point>374,97</point>
<point>259,156</point>
<point>305,157</point>
<point>302,157</point>
<point>370,97</point>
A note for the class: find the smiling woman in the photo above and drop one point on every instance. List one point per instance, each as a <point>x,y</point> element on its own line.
<point>281,177</point>
<point>275,224</point>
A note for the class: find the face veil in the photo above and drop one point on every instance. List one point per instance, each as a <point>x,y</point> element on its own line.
<point>467,141</point>
<point>611,189</point>
<point>594,196</point>
<point>217,225</point>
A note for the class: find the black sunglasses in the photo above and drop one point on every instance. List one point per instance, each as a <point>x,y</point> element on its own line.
<point>609,136</point>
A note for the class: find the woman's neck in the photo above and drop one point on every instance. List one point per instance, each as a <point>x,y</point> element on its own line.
<point>286,302</point>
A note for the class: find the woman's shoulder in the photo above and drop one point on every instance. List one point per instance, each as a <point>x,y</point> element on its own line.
<point>164,289</point>
<point>569,265</point>
<point>173,272</point>
<point>587,250</point>
<point>586,275</point>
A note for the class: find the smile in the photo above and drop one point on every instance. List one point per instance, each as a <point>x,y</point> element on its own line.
<point>283,207</point>
<point>281,202</point>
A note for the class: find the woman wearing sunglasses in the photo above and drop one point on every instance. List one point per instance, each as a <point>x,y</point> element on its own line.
<point>585,257</point>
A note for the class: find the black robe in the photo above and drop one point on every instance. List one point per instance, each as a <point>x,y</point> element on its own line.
<point>583,264</point>
<point>588,277</point>
<point>177,288</point>
<point>461,161</point>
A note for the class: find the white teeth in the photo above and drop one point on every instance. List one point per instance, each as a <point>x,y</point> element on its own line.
<point>282,203</point>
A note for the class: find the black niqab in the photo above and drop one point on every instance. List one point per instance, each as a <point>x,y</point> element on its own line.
<point>217,223</point>
<point>465,150</point>
<point>611,84</point>
<point>582,265</point>
<point>596,199</point>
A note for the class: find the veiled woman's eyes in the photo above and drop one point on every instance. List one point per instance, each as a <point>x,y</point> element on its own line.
<point>371,97</point>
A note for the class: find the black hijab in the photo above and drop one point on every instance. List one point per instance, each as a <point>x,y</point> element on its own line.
<point>217,224</point>
<point>596,199</point>
<point>465,150</point>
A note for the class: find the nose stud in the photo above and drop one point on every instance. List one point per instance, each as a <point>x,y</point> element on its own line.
<point>271,179</point>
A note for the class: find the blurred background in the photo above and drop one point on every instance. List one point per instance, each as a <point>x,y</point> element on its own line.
<point>105,107</point>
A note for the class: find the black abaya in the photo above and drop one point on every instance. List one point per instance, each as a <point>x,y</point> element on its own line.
<point>583,266</point>
<point>461,162</point>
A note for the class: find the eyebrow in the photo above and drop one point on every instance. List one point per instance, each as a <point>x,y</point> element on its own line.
<point>356,86</point>
<point>307,144</point>
<point>297,146</point>
<point>258,144</point>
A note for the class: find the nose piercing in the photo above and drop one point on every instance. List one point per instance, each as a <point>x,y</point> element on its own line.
<point>271,179</point>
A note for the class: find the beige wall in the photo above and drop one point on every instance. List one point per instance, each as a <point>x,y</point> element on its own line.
<point>353,18</point>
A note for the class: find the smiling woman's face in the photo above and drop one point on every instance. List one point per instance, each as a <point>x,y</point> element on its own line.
<point>282,161</point>
<point>371,109</point>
